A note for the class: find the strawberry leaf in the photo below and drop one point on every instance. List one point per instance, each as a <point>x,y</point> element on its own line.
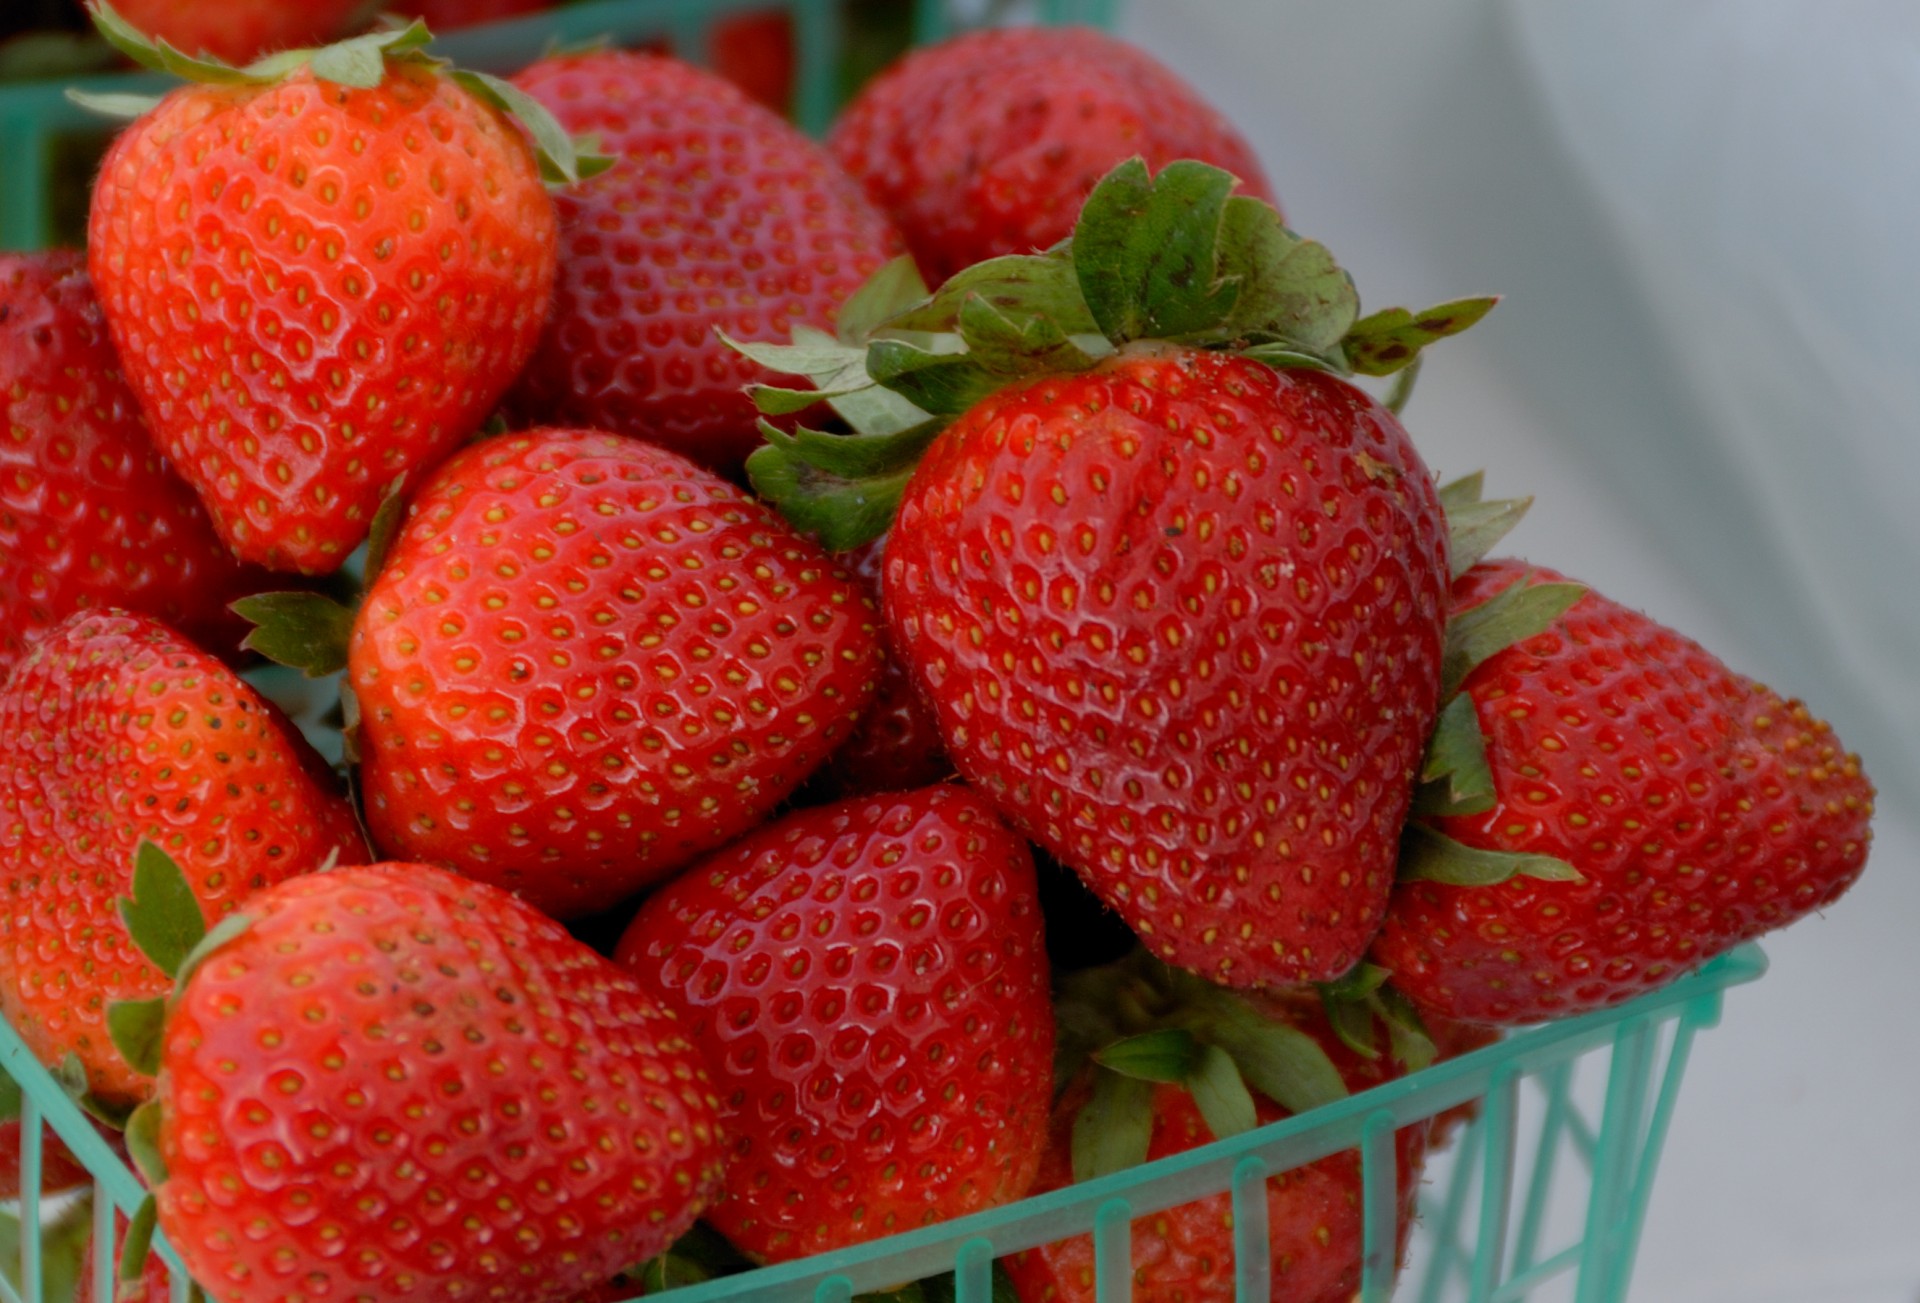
<point>1169,1055</point>
<point>1513,615</point>
<point>139,1242</point>
<point>1290,288</point>
<point>1017,346</point>
<point>1390,339</point>
<point>1221,1094</point>
<point>307,631</point>
<point>386,524</point>
<point>1020,285</point>
<point>1146,251</point>
<point>1455,494</point>
<point>945,384</point>
<point>1282,1062</point>
<point>887,293</point>
<point>1427,855</point>
<point>162,916</point>
<point>561,161</point>
<point>1407,1036</point>
<point>158,56</point>
<point>135,1027</point>
<point>841,488</point>
<point>1476,528</point>
<point>1285,357</point>
<point>1455,777</point>
<point>1113,1129</point>
<point>113,104</point>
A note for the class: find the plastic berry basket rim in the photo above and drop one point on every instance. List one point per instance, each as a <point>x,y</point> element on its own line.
<point>968,1245</point>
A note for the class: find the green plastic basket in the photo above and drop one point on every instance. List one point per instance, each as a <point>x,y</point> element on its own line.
<point>1493,1231</point>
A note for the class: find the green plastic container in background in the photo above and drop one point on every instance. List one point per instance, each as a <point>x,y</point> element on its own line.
<point>1538,1199</point>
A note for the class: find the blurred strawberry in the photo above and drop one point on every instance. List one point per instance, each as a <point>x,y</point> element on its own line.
<point>755,53</point>
<point>240,31</point>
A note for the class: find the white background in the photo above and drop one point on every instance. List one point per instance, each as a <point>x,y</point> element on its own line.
<point>1705,216</point>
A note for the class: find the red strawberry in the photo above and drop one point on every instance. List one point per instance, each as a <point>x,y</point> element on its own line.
<point>89,514</point>
<point>1178,612</point>
<point>754,51</point>
<point>115,730</point>
<point>319,285</point>
<point>718,216</point>
<point>870,981</point>
<point>239,31</point>
<point>1160,1093</point>
<point>987,144</point>
<point>59,1169</point>
<point>587,661</point>
<point>394,1083</point>
<point>897,746</point>
<point>1696,807</point>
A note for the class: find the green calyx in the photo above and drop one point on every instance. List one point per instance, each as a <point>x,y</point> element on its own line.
<point>1455,775</point>
<point>1138,1023</point>
<point>1362,1001</point>
<point>360,62</point>
<point>1175,256</point>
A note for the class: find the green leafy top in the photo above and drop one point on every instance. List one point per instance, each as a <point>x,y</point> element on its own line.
<point>1138,1022</point>
<point>1175,256</point>
<point>359,61</point>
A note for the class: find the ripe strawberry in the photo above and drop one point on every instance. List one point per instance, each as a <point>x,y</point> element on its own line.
<point>1177,612</point>
<point>90,515</point>
<point>319,282</point>
<point>239,31</point>
<point>870,981</point>
<point>59,1169</point>
<point>115,730</point>
<point>718,216</point>
<point>988,143</point>
<point>754,51</point>
<point>897,745</point>
<point>394,1083</point>
<point>1181,1085</point>
<point>587,661</point>
<point>1679,808</point>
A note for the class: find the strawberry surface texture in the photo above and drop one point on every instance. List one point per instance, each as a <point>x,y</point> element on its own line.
<point>1179,616</point>
<point>1699,808</point>
<point>587,661</point>
<point>718,216</point>
<point>870,979</point>
<point>395,1083</point>
<point>986,144</point>
<point>318,290</point>
<point>90,514</point>
<point>115,730</point>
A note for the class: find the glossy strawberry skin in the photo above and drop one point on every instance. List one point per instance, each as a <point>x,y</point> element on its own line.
<point>400,1084</point>
<point>1700,807</point>
<point>1180,618</point>
<point>719,216</point>
<point>317,292</point>
<point>1185,1253</point>
<point>587,661</point>
<point>90,515</point>
<point>115,730</point>
<point>240,31</point>
<point>988,144</point>
<point>870,981</point>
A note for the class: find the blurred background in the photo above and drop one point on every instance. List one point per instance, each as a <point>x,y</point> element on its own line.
<point>1700,216</point>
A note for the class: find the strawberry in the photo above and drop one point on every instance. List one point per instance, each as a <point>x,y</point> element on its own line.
<point>1174,591</point>
<point>870,981</point>
<point>90,515</point>
<point>586,661</point>
<point>988,143</point>
<point>392,1083</point>
<point>320,275</point>
<point>239,31</point>
<point>1180,1077</point>
<point>115,730</point>
<point>897,745</point>
<point>1638,809</point>
<point>754,51</point>
<point>718,215</point>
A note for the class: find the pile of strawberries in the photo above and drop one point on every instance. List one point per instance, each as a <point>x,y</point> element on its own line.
<point>996,734</point>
